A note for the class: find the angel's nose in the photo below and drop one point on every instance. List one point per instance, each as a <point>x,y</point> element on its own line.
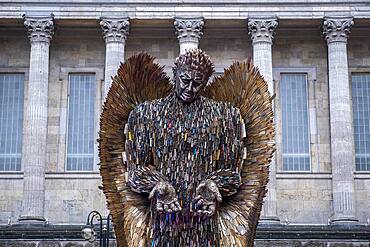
<point>191,85</point>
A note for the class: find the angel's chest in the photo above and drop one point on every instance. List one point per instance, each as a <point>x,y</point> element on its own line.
<point>188,132</point>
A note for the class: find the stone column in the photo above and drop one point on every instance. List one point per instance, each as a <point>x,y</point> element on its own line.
<point>262,31</point>
<point>336,31</point>
<point>40,31</point>
<point>115,33</point>
<point>189,32</point>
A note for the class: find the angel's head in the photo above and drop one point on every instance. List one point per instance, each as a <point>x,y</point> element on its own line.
<point>191,73</point>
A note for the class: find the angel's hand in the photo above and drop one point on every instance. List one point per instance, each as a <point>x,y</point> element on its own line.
<point>207,196</point>
<point>165,196</point>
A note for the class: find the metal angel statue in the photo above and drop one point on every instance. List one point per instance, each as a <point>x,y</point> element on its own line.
<point>186,163</point>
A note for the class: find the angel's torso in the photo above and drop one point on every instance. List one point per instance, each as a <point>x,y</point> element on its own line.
<point>186,142</point>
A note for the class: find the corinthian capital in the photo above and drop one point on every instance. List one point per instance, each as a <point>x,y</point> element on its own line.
<point>115,30</point>
<point>189,30</point>
<point>40,29</point>
<point>262,29</point>
<point>336,29</point>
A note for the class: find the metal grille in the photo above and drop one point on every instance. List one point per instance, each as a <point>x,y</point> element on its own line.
<point>361,121</point>
<point>11,121</point>
<point>295,136</point>
<point>80,145</point>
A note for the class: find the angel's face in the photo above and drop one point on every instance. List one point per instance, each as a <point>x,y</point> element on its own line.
<point>189,83</point>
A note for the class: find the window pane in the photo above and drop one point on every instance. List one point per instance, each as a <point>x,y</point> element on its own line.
<point>295,136</point>
<point>11,121</point>
<point>80,149</point>
<point>361,121</point>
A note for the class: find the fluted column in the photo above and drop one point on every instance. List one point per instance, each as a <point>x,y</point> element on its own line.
<point>40,32</point>
<point>261,31</point>
<point>115,33</point>
<point>336,31</point>
<point>189,32</point>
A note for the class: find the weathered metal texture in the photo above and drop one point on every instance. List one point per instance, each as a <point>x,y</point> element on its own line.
<point>244,87</point>
<point>140,80</point>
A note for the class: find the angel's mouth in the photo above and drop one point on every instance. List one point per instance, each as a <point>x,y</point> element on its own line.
<point>188,94</point>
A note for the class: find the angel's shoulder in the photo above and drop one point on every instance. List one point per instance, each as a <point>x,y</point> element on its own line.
<point>224,108</point>
<point>145,109</point>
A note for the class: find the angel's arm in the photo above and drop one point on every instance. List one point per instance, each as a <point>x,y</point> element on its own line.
<point>143,178</point>
<point>216,186</point>
<point>227,181</point>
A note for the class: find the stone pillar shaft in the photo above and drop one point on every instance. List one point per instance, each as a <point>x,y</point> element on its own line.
<point>114,55</point>
<point>342,143</point>
<point>189,32</point>
<point>40,31</point>
<point>115,34</point>
<point>262,58</point>
<point>262,31</point>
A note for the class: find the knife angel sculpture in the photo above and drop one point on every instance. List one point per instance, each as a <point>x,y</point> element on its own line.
<point>186,163</point>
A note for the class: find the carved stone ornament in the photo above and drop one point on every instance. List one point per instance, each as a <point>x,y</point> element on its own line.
<point>189,30</point>
<point>40,29</point>
<point>336,29</point>
<point>115,30</point>
<point>262,30</point>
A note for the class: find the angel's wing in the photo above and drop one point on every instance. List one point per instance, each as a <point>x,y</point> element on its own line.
<point>244,87</point>
<point>139,79</point>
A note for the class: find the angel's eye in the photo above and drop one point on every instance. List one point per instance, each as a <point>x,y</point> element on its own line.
<point>185,79</point>
<point>198,80</point>
<point>197,83</point>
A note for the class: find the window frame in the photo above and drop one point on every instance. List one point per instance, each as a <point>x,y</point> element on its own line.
<point>24,71</point>
<point>20,137</point>
<point>351,71</point>
<point>311,118</point>
<point>65,72</point>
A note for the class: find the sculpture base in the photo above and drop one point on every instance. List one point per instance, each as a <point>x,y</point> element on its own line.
<point>272,220</point>
<point>31,220</point>
<point>344,221</point>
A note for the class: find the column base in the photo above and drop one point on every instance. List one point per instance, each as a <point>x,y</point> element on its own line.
<point>269,220</point>
<point>32,220</point>
<point>344,221</point>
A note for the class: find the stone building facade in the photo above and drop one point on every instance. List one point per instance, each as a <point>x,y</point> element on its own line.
<point>56,61</point>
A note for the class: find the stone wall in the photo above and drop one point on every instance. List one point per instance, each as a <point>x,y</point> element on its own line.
<point>305,198</point>
<point>12,41</point>
<point>362,188</point>
<point>302,198</point>
<point>11,195</point>
<point>359,61</point>
<point>305,49</point>
<point>70,54</point>
<point>70,200</point>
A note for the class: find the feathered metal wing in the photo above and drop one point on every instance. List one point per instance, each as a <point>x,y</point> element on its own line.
<point>244,87</point>
<point>138,80</point>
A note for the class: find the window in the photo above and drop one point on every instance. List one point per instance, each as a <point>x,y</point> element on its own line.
<point>11,121</point>
<point>80,142</point>
<point>295,132</point>
<point>361,121</point>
